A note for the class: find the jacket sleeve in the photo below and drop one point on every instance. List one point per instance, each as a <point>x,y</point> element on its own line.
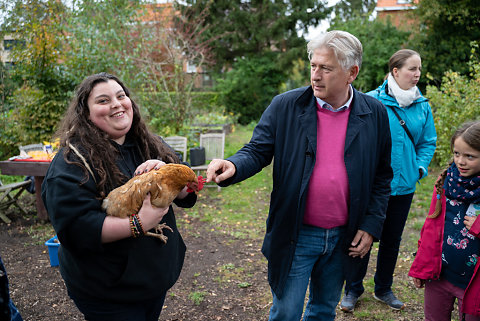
<point>258,153</point>
<point>425,147</point>
<point>428,258</point>
<point>74,206</point>
<point>187,202</point>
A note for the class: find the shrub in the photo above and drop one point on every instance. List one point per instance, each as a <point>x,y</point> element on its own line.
<point>164,121</point>
<point>456,101</point>
<point>249,87</point>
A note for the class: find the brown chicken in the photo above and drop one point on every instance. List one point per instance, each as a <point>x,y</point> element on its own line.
<point>163,185</point>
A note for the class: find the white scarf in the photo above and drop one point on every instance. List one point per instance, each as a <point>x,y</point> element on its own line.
<point>404,97</point>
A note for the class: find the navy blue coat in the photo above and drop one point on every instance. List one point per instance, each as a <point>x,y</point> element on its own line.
<point>287,133</point>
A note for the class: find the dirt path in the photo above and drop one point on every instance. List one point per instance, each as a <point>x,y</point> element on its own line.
<point>222,279</point>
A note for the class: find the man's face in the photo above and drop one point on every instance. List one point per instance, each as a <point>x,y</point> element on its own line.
<point>330,82</point>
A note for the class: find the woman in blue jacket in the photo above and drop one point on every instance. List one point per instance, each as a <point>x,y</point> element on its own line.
<point>413,144</point>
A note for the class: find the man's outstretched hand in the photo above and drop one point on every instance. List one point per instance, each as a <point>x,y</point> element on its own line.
<point>219,170</point>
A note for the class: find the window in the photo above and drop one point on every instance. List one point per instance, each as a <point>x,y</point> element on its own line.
<point>9,44</point>
<point>191,68</point>
<point>207,81</point>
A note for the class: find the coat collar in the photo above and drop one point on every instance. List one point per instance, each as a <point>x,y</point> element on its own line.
<point>308,117</point>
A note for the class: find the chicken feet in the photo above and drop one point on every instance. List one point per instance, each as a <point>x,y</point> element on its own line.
<point>159,232</point>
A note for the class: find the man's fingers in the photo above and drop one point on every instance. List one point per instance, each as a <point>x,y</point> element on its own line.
<point>361,244</point>
<point>358,238</point>
<point>219,170</point>
<point>213,169</point>
<point>223,175</point>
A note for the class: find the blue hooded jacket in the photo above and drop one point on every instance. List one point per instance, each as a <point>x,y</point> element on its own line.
<point>407,159</point>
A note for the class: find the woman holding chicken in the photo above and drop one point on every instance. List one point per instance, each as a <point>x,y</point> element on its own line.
<point>112,271</point>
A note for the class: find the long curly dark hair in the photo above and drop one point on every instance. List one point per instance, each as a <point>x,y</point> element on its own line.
<point>76,129</point>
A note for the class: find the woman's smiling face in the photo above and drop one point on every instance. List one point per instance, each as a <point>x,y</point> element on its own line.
<point>111,110</point>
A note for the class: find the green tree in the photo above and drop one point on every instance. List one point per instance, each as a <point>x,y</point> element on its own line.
<point>164,49</point>
<point>380,40</point>
<point>456,101</point>
<point>148,46</point>
<point>247,34</point>
<point>7,88</point>
<point>250,86</point>
<point>102,36</point>
<point>447,27</point>
<point>60,45</point>
<point>250,28</point>
<point>348,9</point>
<point>43,88</point>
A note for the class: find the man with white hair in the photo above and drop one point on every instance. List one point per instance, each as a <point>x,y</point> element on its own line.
<point>331,179</point>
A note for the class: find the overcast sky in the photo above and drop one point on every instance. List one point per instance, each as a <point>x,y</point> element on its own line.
<point>312,31</point>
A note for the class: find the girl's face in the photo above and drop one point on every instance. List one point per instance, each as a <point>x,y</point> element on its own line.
<point>408,76</point>
<point>466,158</point>
<point>111,110</point>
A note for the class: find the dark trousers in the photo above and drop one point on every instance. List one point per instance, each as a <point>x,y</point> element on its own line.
<point>8,311</point>
<point>439,301</point>
<point>396,217</point>
<point>95,310</point>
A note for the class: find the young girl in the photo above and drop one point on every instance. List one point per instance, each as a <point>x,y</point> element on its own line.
<point>449,245</point>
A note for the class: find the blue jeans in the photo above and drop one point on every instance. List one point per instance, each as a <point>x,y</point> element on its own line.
<point>396,217</point>
<point>319,260</point>
<point>15,315</point>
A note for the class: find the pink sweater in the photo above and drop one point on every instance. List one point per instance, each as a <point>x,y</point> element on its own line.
<point>328,195</point>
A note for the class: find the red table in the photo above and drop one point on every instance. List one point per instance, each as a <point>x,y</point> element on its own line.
<point>38,169</point>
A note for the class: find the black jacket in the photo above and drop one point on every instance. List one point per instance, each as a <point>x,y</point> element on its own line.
<point>129,270</point>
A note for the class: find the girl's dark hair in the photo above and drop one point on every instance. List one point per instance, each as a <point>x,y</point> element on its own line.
<point>470,133</point>
<point>397,60</point>
<point>93,143</point>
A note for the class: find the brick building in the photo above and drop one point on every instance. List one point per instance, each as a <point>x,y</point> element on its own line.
<point>399,12</point>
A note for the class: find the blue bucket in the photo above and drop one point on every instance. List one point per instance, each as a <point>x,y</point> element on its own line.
<point>53,245</point>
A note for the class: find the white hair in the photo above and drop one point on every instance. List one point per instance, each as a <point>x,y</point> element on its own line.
<point>347,48</point>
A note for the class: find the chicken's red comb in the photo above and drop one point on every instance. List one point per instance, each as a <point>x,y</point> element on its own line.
<point>201,182</point>
<point>199,186</point>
